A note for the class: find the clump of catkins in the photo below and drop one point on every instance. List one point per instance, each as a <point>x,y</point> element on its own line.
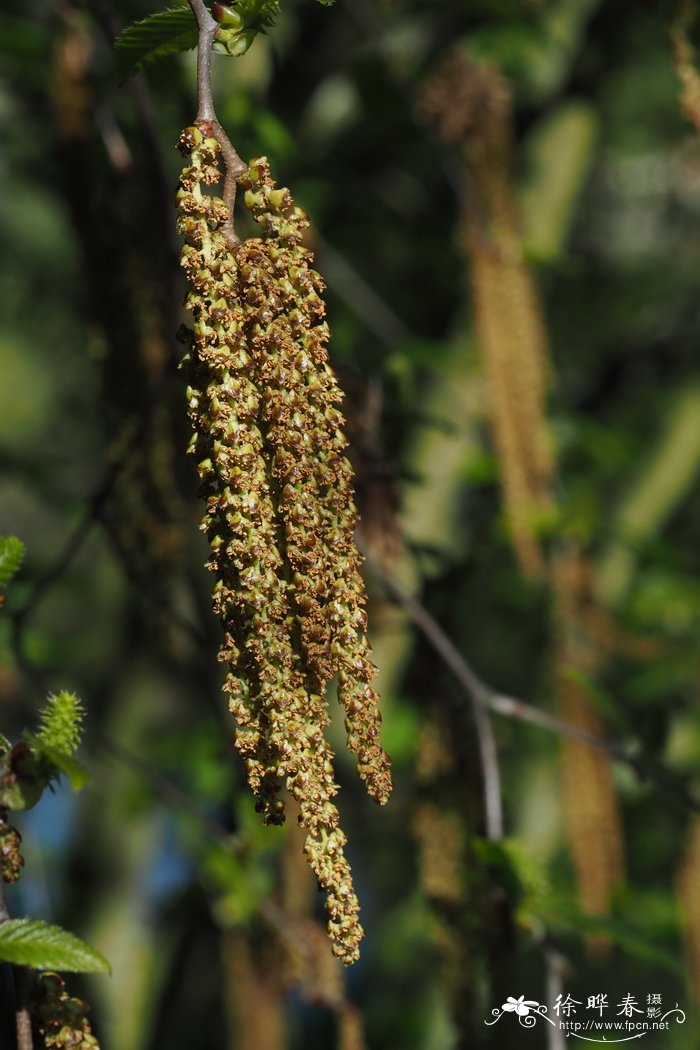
<point>60,1018</point>
<point>11,860</point>
<point>280,516</point>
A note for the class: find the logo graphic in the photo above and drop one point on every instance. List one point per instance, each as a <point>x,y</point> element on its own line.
<point>528,1010</point>
<point>623,1027</point>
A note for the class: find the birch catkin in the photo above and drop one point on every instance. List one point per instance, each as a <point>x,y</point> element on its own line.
<point>471,106</point>
<point>280,515</point>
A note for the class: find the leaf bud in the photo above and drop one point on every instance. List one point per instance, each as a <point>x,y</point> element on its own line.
<point>226,16</point>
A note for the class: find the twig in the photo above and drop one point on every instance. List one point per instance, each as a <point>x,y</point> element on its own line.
<point>23,983</point>
<point>510,707</point>
<point>477,691</point>
<point>557,967</point>
<point>23,1020</point>
<point>206,118</point>
<point>73,543</point>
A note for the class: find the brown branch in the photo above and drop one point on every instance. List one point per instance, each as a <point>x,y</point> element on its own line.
<point>485,697</point>
<point>206,118</point>
<point>72,546</point>
<point>23,984</point>
<point>477,691</point>
<point>557,968</point>
<point>23,1020</point>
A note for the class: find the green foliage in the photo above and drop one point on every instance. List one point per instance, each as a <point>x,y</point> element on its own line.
<point>174,30</point>
<point>21,782</point>
<point>164,33</point>
<point>620,301</point>
<point>563,917</point>
<point>240,24</point>
<point>517,871</point>
<point>78,775</point>
<point>30,766</point>
<point>255,16</point>
<point>31,942</point>
<point>11,557</point>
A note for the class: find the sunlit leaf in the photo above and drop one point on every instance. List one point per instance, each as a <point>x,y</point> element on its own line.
<point>30,942</point>
<point>78,775</point>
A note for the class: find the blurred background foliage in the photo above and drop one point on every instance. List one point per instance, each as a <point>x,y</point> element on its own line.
<point>513,251</point>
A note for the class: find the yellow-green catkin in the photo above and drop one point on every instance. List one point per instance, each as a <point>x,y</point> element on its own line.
<point>280,515</point>
<point>472,107</point>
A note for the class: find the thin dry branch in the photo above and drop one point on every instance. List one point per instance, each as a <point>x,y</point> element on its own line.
<point>487,698</point>
<point>206,118</point>
<point>22,982</point>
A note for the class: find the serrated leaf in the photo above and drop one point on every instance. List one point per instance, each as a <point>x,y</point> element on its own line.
<point>11,557</point>
<point>30,942</point>
<point>78,775</point>
<point>165,33</point>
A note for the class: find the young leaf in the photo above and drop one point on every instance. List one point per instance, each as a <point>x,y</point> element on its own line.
<point>246,15</point>
<point>240,23</point>
<point>165,33</point>
<point>30,942</point>
<point>78,775</point>
<point>11,557</point>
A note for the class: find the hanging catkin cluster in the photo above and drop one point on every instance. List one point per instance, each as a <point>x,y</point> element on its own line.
<point>591,803</point>
<point>472,107</point>
<point>280,516</point>
<point>60,1018</point>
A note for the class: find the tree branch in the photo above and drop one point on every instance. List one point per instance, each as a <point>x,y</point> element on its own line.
<point>206,118</point>
<point>485,697</point>
<point>23,1019</point>
<point>23,983</point>
<point>488,753</point>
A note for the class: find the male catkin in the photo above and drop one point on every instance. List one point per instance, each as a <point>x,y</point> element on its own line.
<point>280,516</point>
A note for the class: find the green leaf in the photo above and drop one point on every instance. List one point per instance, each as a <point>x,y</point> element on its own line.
<point>165,33</point>
<point>257,15</point>
<point>78,775</point>
<point>30,942</point>
<point>240,23</point>
<point>11,557</point>
<point>22,782</point>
